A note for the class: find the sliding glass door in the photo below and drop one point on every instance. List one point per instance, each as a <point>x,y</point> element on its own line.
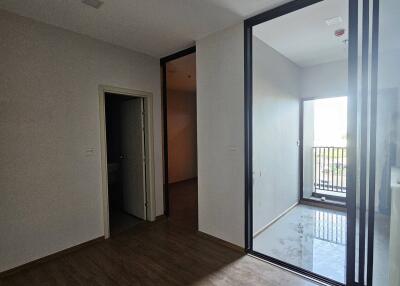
<point>373,167</point>
<point>323,139</point>
<point>384,204</point>
<point>376,148</point>
<point>297,80</point>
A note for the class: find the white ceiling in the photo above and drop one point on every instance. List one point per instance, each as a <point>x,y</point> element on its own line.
<point>181,74</point>
<point>154,27</point>
<point>304,37</point>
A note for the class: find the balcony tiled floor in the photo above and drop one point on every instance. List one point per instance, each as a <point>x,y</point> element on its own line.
<point>315,239</point>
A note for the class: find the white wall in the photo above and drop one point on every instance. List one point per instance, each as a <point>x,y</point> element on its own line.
<point>49,116</point>
<point>325,80</point>
<point>276,105</point>
<point>220,133</point>
<point>308,144</point>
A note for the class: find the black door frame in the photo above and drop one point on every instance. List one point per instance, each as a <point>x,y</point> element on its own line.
<point>372,148</point>
<point>352,140</point>
<point>368,88</point>
<point>164,95</point>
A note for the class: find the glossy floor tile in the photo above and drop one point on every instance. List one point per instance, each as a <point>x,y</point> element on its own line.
<point>308,237</point>
<point>315,239</point>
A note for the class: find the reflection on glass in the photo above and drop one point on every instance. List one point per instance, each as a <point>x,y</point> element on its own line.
<point>387,168</point>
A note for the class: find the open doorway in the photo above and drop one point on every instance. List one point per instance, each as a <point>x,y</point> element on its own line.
<point>180,139</point>
<point>324,149</point>
<point>125,161</point>
<point>127,157</point>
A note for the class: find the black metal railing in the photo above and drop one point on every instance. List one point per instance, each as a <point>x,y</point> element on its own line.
<point>330,170</point>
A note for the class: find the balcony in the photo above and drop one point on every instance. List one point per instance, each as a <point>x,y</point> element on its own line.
<point>329,167</point>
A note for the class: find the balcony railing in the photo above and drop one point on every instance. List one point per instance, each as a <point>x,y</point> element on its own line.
<point>330,171</point>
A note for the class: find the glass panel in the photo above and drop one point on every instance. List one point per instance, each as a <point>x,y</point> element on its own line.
<point>387,168</point>
<point>300,56</point>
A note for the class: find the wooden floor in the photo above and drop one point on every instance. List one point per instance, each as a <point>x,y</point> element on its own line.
<point>183,208</point>
<point>166,252</point>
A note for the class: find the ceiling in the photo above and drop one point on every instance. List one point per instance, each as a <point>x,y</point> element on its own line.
<point>154,27</point>
<point>181,74</point>
<point>304,37</point>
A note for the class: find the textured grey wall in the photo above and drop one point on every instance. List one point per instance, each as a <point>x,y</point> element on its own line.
<point>49,118</point>
<point>220,133</point>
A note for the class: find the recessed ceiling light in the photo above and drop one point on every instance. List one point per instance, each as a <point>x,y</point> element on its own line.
<point>93,3</point>
<point>334,21</point>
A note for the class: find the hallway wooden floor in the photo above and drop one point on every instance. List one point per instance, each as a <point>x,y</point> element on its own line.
<point>183,210</point>
<point>160,253</point>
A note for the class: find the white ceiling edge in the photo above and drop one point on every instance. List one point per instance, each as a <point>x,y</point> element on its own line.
<point>303,35</point>
<point>81,34</point>
<point>153,27</point>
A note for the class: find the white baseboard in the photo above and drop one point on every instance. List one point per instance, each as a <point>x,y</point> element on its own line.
<point>274,220</point>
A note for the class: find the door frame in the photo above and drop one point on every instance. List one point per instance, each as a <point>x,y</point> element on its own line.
<point>248,95</point>
<point>340,203</point>
<point>149,150</point>
<point>164,95</point>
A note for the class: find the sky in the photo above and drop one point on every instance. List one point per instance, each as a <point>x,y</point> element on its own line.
<point>330,122</point>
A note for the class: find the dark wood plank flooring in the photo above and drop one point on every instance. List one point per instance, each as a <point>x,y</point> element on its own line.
<point>166,252</point>
<point>183,209</point>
